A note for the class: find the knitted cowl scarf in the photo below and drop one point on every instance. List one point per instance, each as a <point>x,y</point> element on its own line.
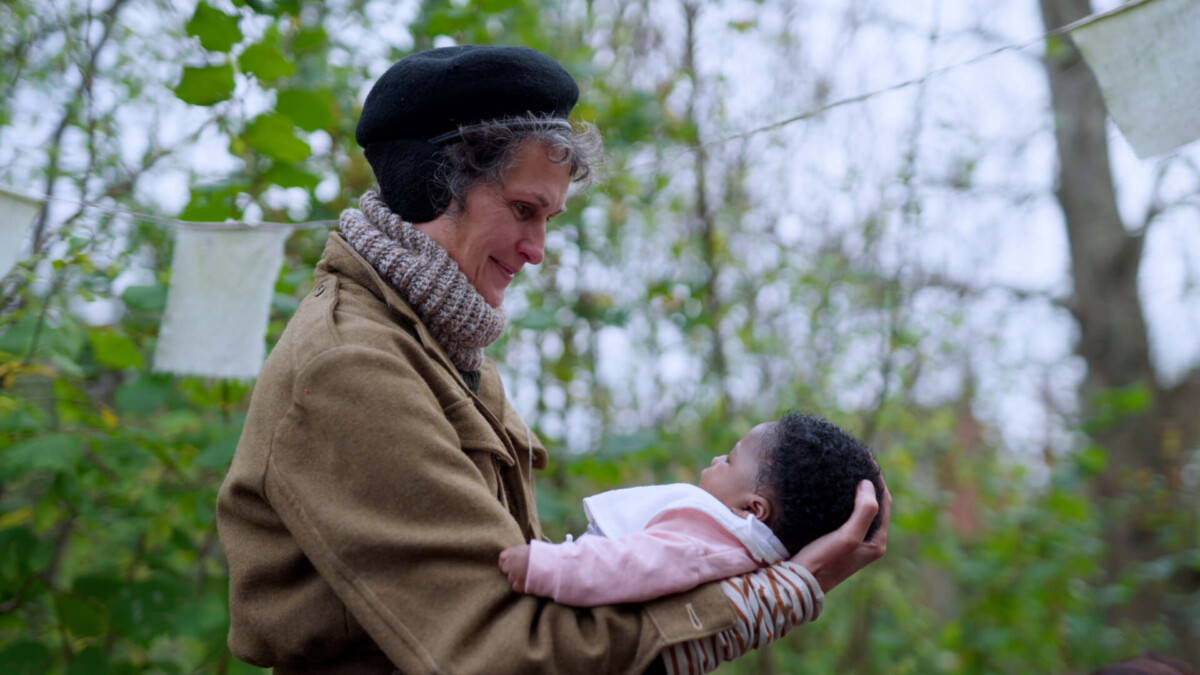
<point>423,272</point>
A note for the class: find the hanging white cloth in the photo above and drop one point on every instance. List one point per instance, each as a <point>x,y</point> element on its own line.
<point>16,216</point>
<point>219,302</point>
<point>1147,61</point>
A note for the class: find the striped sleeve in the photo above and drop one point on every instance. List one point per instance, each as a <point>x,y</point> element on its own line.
<point>768,603</point>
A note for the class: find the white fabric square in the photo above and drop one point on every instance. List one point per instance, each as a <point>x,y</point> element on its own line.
<point>1147,60</point>
<point>219,303</point>
<point>16,216</point>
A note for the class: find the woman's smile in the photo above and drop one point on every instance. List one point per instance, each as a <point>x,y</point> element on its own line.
<point>505,270</point>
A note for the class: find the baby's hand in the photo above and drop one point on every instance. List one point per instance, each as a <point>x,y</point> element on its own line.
<point>515,563</point>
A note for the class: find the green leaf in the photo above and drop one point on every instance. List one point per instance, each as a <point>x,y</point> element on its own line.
<point>287,175</point>
<point>284,304</point>
<point>265,62</point>
<point>90,661</point>
<point>178,423</point>
<point>447,21</point>
<point>64,337</point>
<point>274,136</point>
<point>1068,506</point>
<point>206,614</point>
<point>309,110</point>
<point>210,205</point>
<point>124,456</point>
<point>598,470</point>
<point>493,6</point>
<point>26,656</point>
<point>309,38</point>
<point>99,587</point>
<point>218,455</point>
<point>145,393</point>
<point>1056,47</point>
<point>1092,460</point>
<point>66,365</point>
<point>284,7</point>
<point>218,31</point>
<point>79,615</point>
<point>144,609</point>
<point>537,319</point>
<point>17,337</point>
<point>205,85</point>
<point>1132,400</point>
<point>52,452</point>
<point>148,298</point>
<point>116,351</point>
<point>21,552</point>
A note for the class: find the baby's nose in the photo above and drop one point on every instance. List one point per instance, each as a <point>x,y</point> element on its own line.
<point>714,460</point>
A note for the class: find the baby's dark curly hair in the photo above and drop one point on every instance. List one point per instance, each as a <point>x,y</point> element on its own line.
<point>810,473</point>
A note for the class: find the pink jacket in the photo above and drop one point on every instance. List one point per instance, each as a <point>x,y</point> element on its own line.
<point>682,549</point>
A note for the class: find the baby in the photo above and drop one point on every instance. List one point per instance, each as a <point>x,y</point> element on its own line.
<point>782,485</point>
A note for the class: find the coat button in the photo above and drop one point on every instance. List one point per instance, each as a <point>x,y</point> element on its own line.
<point>320,289</point>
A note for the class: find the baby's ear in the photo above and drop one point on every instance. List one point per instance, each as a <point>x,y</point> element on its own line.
<point>760,506</point>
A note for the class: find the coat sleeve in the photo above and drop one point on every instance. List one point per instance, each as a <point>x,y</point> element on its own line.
<point>368,475</point>
<point>672,555</point>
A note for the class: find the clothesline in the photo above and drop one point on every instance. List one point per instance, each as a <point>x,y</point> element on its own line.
<point>163,220</point>
<point>859,98</point>
<point>808,114</point>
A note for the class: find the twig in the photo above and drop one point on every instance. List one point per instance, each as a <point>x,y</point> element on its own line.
<point>61,539</point>
<point>85,84</point>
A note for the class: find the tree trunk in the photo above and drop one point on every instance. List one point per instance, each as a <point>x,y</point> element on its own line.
<point>1125,410</point>
<point>706,227</point>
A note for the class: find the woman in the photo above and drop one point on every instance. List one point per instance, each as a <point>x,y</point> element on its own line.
<point>381,470</point>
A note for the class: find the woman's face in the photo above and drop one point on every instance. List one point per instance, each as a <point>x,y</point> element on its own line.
<point>503,227</point>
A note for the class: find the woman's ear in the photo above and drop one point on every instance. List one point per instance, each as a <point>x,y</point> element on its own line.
<point>760,506</point>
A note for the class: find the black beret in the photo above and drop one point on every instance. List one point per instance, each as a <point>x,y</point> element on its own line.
<point>419,103</point>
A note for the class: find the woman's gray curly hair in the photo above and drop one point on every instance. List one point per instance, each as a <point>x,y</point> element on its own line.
<point>488,151</point>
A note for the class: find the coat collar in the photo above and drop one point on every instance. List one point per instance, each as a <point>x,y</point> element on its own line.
<point>341,258</point>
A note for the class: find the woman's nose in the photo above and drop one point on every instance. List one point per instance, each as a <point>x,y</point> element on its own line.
<point>532,246</point>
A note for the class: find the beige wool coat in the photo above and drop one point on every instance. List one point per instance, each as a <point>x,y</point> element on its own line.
<point>370,497</point>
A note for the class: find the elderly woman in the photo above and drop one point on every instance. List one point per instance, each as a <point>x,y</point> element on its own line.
<point>381,470</point>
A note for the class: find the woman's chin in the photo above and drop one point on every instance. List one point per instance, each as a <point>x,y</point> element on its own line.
<point>494,297</point>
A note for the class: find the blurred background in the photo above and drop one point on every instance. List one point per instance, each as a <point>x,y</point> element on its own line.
<point>824,205</point>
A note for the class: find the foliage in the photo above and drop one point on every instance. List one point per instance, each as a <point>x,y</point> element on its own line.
<point>109,560</point>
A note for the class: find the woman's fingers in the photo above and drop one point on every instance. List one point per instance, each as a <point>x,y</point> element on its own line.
<point>836,556</point>
<point>885,509</point>
<point>865,508</point>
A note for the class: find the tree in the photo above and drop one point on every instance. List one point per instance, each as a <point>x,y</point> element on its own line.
<point>1147,431</point>
<point>712,279</point>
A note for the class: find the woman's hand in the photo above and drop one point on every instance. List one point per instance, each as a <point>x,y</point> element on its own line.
<point>514,562</point>
<point>836,556</point>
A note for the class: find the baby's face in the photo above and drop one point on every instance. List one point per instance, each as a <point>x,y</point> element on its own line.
<point>731,478</point>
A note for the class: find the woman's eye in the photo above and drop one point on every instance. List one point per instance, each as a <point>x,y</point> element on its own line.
<point>521,209</point>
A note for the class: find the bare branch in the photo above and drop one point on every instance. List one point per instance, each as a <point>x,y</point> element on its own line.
<point>967,290</point>
<point>1157,207</point>
<point>83,90</point>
